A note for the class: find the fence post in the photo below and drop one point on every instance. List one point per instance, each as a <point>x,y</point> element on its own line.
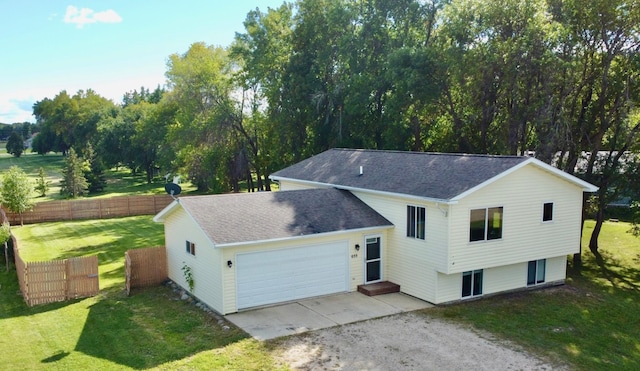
<point>66,281</point>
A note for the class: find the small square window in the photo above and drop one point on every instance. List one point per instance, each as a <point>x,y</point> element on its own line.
<point>547,212</point>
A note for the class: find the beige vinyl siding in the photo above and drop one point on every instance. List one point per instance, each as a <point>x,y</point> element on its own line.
<point>205,265</point>
<point>524,236</point>
<point>505,278</point>
<point>556,269</point>
<point>499,279</point>
<point>356,259</point>
<point>411,262</point>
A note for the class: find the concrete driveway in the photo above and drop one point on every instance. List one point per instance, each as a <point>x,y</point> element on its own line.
<point>321,312</point>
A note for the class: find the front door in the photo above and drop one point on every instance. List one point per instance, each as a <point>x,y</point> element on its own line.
<point>373,259</point>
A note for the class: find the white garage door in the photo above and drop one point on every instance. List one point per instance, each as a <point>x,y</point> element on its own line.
<point>268,277</point>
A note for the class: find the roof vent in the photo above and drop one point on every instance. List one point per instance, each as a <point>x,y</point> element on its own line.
<point>361,170</point>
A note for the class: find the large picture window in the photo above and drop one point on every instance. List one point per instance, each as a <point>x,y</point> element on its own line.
<point>472,283</point>
<point>485,224</point>
<point>416,217</point>
<point>536,272</point>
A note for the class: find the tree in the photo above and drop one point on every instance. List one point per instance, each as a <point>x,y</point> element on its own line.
<point>16,191</point>
<point>201,86</point>
<point>635,227</point>
<point>5,234</point>
<point>73,183</point>
<point>70,121</point>
<point>15,144</point>
<point>42,184</point>
<point>94,171</point>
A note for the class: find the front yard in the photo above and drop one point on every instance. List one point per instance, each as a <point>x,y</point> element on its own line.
<point>590,323</point>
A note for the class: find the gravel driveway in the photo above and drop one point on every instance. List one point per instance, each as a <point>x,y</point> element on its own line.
<point>406,341</point>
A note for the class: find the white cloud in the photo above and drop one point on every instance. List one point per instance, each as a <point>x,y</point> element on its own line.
<point>83,16</point>
<point>15,110</point>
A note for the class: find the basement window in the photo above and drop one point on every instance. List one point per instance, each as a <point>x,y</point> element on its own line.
<point>536,272</point>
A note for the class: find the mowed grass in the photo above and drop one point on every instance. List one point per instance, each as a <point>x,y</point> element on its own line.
<point>106,238</point>
<point>120,181</point>
<point>152,329</point>
<point>591,323</point>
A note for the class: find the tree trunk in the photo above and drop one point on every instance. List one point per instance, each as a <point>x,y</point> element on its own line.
<point>6,255</point>
<point>593,241</point>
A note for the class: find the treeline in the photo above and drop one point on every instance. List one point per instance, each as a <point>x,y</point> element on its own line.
<point>556,77</point>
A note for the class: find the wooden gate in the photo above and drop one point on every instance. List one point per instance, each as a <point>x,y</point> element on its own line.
<point>58,280</point>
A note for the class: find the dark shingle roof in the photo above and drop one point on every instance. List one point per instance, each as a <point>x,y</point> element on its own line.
<point>243,217</point>
<point>432,175</point>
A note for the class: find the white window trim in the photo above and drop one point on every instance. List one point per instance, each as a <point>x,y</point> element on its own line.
<point>486,224</point>
<point>535,283</point>
<point>415,237</point>
<point>553,212</point>
<point>473,271</point>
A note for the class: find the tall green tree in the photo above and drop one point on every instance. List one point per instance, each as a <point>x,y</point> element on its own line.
<point>15,144</point>
<point>42,184</point>
<point>94,171</point>
<point>16,191</point>
<point>69,121</point>
<point>262,54</point>
<point>200,85</point>
<point>73,183</point>
<point>5,235</point>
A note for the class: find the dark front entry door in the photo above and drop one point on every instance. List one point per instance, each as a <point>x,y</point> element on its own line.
<point>373,260</point>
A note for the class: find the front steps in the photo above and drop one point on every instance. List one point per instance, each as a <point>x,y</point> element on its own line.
<point>379,288</point>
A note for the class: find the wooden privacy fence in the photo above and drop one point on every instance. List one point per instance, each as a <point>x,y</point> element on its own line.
<point>103,208</point>
<point>145,267</point>
<point>57,280</point>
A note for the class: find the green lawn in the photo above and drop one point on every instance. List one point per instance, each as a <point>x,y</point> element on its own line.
<point>120,182</point>
<point>107,238</point>
<point>592,323</point>
<point>151,329</point>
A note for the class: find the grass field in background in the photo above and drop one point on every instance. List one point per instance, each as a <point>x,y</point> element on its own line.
<point>120,182</point>
<point>592,323</point>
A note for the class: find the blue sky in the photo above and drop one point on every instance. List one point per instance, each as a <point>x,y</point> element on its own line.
<point>111,47</point>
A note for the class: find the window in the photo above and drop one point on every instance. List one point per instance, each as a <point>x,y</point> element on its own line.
<point>485,224</point>
<point>416,217</point>
<point>536,272</point>
<point>191,248</point>
<point>472,283</point>
<point>547,212</point>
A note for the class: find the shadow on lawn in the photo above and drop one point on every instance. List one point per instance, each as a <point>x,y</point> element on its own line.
<point>619,275</point>
<point>150,329</point>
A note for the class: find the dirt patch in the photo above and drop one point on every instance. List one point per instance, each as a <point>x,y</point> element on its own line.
<point>405,342</point>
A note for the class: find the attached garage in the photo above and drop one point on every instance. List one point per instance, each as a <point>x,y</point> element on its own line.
<point>267,277</point>
<point>253,249</point>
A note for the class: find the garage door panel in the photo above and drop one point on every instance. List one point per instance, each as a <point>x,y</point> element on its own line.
<point>268,277</point>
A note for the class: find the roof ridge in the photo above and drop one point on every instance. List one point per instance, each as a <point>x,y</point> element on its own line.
<point>427,153</point>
